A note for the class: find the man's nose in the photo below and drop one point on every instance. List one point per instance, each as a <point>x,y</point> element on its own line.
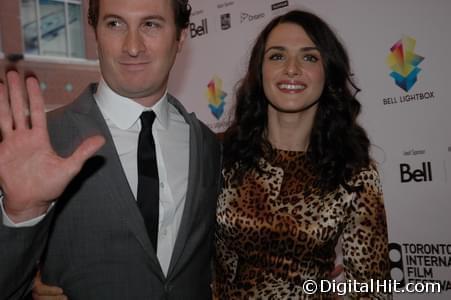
<point>133,43</point>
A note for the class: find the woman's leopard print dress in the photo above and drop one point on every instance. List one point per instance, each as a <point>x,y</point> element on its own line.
<point>274,232</point>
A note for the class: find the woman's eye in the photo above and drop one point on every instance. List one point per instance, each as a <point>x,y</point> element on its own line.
<point>311,58</point>
<point>276,56</point>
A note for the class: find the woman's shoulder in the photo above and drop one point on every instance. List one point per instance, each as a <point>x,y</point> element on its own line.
<point>366,177</point>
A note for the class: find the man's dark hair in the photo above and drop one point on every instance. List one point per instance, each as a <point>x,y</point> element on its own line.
<point>181,9</point>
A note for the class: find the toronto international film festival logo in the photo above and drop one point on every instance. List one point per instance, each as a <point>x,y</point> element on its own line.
<point>216,97</point>
<point>404,63</point>
<point>421,263</point>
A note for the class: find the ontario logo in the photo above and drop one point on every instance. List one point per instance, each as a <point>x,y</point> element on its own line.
<point>404,63</point>
<point>216,97</point>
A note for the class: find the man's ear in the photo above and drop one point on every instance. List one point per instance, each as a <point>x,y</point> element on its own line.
<point>182,38</point>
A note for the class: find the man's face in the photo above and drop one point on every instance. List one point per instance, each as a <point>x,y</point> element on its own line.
<point>137,45</point>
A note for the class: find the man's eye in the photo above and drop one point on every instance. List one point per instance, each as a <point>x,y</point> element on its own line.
<point>114,24</point>
<point>151,24</point>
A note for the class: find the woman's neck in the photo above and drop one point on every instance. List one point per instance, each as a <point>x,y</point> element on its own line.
<point>289,131</point>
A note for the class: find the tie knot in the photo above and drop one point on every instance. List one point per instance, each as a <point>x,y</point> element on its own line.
<point>147,118</point>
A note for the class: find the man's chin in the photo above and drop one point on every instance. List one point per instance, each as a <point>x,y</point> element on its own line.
<point>144,96</point>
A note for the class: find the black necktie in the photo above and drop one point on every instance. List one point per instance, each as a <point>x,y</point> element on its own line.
<point>148,184</point>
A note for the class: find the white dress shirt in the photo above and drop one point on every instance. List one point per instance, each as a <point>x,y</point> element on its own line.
<point>171,135</point>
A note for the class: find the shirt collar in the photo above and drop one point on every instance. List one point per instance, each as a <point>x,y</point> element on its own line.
<point>125,112</point>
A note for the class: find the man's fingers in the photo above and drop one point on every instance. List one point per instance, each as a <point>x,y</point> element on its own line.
<point>87,149</point>
<point>40,297</point>
<point>42,289</point>
<point>37,107</point>
<point>6,121</point>
<point>46,290</point>
<point>14,108</point>
<point>336,271</point>
<point>17,100</point>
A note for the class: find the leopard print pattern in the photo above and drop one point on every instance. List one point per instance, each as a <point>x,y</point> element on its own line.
<point>274,231</point>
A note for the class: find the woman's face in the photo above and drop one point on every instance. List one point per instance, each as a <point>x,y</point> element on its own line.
<point>293,72</point>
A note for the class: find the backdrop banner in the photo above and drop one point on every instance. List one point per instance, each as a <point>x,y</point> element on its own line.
<point>399,51</point>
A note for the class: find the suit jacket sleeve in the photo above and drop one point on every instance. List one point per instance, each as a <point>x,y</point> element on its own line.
<point>20,250</point>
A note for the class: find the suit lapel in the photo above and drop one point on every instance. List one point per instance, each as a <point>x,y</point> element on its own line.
<point>194,172</point>
<point>88,118</point>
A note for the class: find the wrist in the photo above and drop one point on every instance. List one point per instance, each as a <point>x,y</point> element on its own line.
<point>23,215</point>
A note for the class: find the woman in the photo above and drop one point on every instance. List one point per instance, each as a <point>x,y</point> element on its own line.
<point>297,171</point>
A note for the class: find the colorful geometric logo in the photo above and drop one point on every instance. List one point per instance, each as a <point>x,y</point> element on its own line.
<point>404,63</point>
<point>216,97</point>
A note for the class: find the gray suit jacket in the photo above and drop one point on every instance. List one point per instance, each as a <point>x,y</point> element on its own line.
<point>98,246</point>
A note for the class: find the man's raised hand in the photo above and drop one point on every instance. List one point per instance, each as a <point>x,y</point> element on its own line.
<point>32,174</point>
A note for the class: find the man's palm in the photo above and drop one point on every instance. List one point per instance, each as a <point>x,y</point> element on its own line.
<point>31,173</point>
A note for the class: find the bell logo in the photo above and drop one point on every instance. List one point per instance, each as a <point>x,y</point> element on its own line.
<point>200,30</point>
<point>418,175</point>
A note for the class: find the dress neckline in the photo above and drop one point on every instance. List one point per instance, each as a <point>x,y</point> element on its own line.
<point>279,156</point>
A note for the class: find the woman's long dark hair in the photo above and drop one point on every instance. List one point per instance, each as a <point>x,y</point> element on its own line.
<point>338,146</point>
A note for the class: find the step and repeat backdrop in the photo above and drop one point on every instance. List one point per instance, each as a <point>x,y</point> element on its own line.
<point>400,53</point>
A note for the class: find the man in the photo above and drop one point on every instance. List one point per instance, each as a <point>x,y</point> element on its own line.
<point>95,240</point>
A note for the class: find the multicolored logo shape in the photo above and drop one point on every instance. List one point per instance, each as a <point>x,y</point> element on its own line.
<point>404,63</point>
<point>216,97</point>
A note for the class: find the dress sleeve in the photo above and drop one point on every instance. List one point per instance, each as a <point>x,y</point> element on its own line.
<point>365,241</point>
